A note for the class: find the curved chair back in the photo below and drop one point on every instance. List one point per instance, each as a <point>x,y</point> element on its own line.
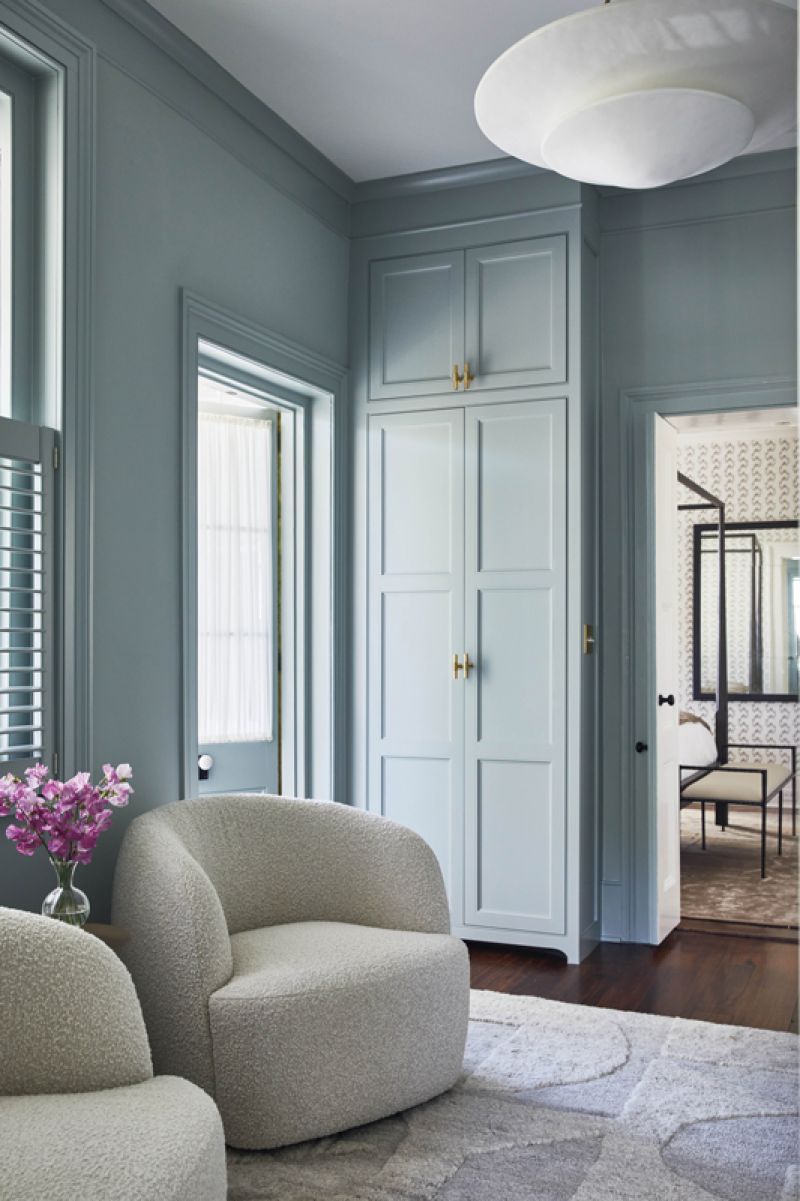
<point>70,1020</point>
<point>272,860</point>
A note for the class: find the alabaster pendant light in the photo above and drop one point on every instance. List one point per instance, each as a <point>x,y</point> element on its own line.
<point>639,93</point>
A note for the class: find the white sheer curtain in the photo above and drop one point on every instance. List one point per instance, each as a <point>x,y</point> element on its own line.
<point>234,578</point>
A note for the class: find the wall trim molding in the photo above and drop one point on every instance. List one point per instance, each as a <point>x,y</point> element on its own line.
<point>202,318</point>
<point>636,716</point>
<point>438,179</point>
<point>74,60</point>
<point>646,227</point>
<point>501,169</point>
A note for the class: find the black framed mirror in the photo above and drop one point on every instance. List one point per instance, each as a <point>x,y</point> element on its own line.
<point>762,573</point>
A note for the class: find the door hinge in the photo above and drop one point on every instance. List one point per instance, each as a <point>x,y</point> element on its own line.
<point>55,458</point>
<point>55,764</point>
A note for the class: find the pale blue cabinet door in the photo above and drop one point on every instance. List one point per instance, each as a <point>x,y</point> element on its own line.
<point>516,313</point>
<point>416,324</point>
<point>416,624</point>
<point>515,697</point>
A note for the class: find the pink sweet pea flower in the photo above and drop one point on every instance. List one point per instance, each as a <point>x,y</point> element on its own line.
<point>26,841</point>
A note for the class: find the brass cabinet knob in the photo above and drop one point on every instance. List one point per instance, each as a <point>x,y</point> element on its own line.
<point>468,665</point>
<point>468,376</point>
<point>456,377</point>
<point>456,667</point>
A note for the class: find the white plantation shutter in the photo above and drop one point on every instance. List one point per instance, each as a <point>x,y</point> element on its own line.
<point>27,595</point>
<point>234,579</point>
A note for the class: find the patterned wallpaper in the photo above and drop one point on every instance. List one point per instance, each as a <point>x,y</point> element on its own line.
<point>756,476</point>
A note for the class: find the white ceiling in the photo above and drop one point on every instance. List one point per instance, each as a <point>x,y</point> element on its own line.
<point>382,87</point>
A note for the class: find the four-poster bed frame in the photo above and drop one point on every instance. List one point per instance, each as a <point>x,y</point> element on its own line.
<point>723,783</point>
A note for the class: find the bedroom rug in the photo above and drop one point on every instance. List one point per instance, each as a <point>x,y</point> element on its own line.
<point>568,1103</point>
<point>723,883</point>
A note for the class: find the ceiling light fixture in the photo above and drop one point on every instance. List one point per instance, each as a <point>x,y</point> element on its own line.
<point>639,93</point>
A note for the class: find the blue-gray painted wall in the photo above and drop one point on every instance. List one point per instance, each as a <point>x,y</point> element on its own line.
<point>200,187</point>
<point>177,205</point>
<point>697,286</point>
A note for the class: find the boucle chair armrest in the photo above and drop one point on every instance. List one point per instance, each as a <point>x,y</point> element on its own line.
<point>179,949</point>
<point>69,1015</point>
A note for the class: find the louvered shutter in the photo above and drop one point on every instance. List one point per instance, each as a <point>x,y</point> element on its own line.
<point>27,595</point>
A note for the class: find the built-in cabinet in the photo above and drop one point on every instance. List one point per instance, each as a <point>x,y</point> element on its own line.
<point>467,649</point>
<point>497,314</point>
<point>477,568</point>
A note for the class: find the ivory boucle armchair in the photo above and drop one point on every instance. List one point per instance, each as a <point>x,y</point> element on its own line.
<point>294,959</point>
<point>81,1115</point>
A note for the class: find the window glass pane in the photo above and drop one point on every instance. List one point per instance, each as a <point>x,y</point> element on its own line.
<point>235,661</point>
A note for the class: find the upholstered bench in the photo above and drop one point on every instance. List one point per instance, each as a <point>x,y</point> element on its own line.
<point>742,784</point>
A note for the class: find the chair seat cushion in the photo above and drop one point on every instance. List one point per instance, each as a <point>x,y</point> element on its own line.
<point>327,1025</point>
<point>744,787</point>
<point>161,1138</point>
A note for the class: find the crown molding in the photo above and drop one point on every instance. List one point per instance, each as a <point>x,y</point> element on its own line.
<point>495,170</point>
<point>500,170</point>
<point>207,71</point>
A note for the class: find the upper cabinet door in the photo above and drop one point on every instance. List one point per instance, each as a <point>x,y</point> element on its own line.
<point>416,324</point>
<point>516,306</point>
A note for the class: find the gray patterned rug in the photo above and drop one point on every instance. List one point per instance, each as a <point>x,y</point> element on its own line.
<point>723,883</point>
<point>563,1102</point>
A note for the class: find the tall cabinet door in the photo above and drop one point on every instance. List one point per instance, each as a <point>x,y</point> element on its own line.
<point>416,324</point>
<point>516,313</point>
<point>416,625</point>
<point>515,735</point>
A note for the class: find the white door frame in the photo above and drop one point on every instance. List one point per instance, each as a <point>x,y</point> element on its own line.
<point>639,687</point>
<point>314,761</point>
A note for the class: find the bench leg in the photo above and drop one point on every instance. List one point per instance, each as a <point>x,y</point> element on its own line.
<point>780,822</point>
<point>794,806</point>
<point>703,824</point>
<point>763,842</point>
<point>721,816</point>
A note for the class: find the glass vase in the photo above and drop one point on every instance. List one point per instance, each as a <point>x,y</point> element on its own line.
<point>66,902</point>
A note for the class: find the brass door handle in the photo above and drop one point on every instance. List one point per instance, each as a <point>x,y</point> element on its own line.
<point>468,376</point>
<point>468,665</point>
<point>456,667</point>
<point>456,377</point>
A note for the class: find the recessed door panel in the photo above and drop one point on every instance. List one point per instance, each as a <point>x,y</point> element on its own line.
<point>515,698</point>
<point>417,697</point>
<point>515,843</point>
<point>416,331</point>
<point>417,498</point>
<point>515,469</point>
<point>515,680</point>
<point>516,309</point>
<point>416,625</point>
<point>418,793</point>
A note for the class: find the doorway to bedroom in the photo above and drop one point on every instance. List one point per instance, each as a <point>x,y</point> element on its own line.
<point>736,606</point>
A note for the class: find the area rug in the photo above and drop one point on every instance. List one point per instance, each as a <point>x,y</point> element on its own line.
<point>723,883</point>
<point>569,1103</point>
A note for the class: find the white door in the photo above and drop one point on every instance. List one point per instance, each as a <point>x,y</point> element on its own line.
<point>416,626</point>
<point>664,675</point>
<point>515,720</point>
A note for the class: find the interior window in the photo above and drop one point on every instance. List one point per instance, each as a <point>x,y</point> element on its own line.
<point>237,550</point>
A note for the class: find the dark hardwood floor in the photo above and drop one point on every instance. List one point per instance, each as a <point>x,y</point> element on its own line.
<point>712,977</point>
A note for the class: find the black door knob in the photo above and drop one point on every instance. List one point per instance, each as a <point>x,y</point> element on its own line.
<point>641,747</point>
<point>666,700</point>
